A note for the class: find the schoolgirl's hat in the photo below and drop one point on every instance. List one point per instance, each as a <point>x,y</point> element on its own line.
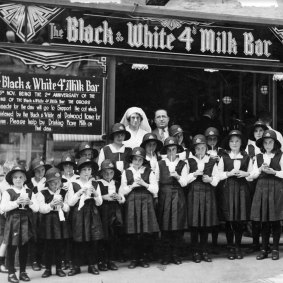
<point>119,128</point>
<point>151,137</point>
<point>83,161</point>
<point>171,141</point>
<point>199,139</point>
<point>53,174</point>
<point>268,134</point>
<point>16,168</point>
<point>257,124</point>
<point>38,162</point>
<point>211,132</point>
<point>174,130</point>
<point>108,164</point>
<point>236,133</point>
<point>138,151</point>
<point>84,146</point>
<point>67,159</point>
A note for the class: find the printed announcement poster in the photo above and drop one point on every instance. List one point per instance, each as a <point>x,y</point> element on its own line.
<point>51,104</point>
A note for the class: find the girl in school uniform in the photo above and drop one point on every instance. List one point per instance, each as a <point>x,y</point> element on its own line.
<point>116,151</point>
<point>84,196</point>
<point>18,202</point>
<point>171,174</point>
<point>252,150</point>
<point>177,132</point>
<point>38,169</point>
<point>234,168</point>
<point>138,185</point>
<point>215,152</point>
<point>54,226</point>
<point>86,150</point>
<point>268,198</point>
<point>201,201</point>
<point>111,214</point>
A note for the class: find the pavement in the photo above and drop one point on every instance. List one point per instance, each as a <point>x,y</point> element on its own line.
<point>221,270</point>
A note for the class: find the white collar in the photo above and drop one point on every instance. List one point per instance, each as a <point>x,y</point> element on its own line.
<point>205,159</point>
<point>167,161</point>
<point>140,170</point>
<point>41,181</point>
<point>18,190</point>
<point>251,142</point>
<point>105,183</point>
<point>238,156</point>
<point>271,155</point>
<point>154,157</point>
<point>120,150</point>
<point>163,130</point>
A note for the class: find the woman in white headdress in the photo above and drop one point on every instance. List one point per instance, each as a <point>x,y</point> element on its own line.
<point>137,124</point>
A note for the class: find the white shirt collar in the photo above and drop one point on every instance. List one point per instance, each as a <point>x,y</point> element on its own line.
<point>105,183</point>
<point>238,156</point>
<point>140,170</point>
<point>41,181</point>
<point>205,159</point>
<point>120,150</point>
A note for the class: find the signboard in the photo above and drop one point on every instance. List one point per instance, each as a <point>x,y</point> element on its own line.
<point>51,104</point>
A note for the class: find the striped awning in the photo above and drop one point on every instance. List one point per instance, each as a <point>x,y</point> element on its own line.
<point>73,137</point>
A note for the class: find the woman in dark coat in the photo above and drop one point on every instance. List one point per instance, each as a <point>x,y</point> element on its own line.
<point>201,201</point>
<point>267,205</point>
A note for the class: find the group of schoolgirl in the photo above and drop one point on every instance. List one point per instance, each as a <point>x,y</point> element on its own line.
<point>152,188</point>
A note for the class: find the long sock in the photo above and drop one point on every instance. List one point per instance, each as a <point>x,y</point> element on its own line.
<point>265,234</point>
<point>276,230</point>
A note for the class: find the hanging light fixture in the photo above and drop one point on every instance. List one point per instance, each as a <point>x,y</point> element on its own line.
<point>227,99</point>
<point>264,89</point>
<point>140,67</point>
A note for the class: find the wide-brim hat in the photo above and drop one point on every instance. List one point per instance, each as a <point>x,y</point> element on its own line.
<point>211,131</point>
<point>199,139</point>
<point>236,133</point>
<point>108,164</point>
<point>119,128</point>
<point>257,124</point>
<point>53,174</point>
<point>137,151</point>
<point>16,168</point>
<point>36,163</point>
<point>151,137</point>
<point>170,141</point>
<point>67,159</point>
<point>84,146</point>
<point>174,130</point>
<point>83,161</point>
<point>268,134</point>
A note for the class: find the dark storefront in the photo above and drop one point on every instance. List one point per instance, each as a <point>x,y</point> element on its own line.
<point>67,71</point>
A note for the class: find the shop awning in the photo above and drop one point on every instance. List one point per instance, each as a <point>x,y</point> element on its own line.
<point>73,137</point>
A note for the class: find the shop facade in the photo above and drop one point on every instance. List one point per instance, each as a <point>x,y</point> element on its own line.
<point>66,71</point>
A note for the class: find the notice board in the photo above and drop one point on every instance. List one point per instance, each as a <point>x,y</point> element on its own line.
<point>51,104</point>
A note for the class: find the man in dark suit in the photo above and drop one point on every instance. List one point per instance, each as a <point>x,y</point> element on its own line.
<point>161,120</point>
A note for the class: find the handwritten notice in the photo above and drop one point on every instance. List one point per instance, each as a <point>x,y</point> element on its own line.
<point>52,104</point>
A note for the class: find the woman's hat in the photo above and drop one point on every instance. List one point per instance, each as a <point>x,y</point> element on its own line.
<point>86,145</point>
<point>257,124</point>
<point>211,131</point>
<point>108,164</point>
<point>119,128</point>
<point>138,151</point>
<point>83,161</point>
<point>174,130</point>
<point>16,168</point>
<point>38,162</point>
<point>53,174</point>
<point>151,137</point>
<point>170,141</point>
<point>268,134</point>
<point>199,139</point>
<point>67,159</point>
<point>236,133</point>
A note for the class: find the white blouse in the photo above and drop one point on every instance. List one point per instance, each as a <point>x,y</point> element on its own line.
<point>111,190</point>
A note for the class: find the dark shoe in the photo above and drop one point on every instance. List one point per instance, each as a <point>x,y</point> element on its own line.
<point>74,271</point>
<point>206,257</point>
<point>275,255</point>
<point>13,278</point>
<point>133,264</point>
<point>231,254</point>
<point>102,266</point>
<point>46,273</point>
<point>3,269</point>
<point>36,266</point>
<point>262,255</point>
<point>143,263</point>
<point>176,260</point>
<point>196,258</point>
<point>238,254</point>
<point>112,266</point>
<point>60,273</point>
<point>24,277</point>
<point>93,270</point>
